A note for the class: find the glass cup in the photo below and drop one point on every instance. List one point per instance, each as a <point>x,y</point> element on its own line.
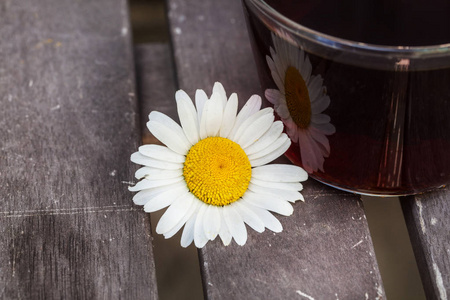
<point>362,117</point>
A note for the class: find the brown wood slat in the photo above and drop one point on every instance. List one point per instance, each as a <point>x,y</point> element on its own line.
<point>325,250</point>
<point>427,218</point>
<point>68,125</point>
<point>177,268</point>
<point>155,84</point>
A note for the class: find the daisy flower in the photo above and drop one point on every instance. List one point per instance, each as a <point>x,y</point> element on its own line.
<point>212,173</point>
<point>300,101</point>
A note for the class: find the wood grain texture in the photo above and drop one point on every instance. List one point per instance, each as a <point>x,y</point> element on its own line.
<point>210,43</point>
<point>427,218</point>
<point>325,250</point>
<point>68,125</point>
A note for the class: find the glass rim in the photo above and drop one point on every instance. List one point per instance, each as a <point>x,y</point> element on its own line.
<point>364,49</point>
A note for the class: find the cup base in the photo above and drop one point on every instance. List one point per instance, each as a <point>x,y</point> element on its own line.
<point>375,193</point>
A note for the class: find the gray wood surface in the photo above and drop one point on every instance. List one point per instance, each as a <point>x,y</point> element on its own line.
<point>68,124</point>
<point>325,250</point>
<point>427,218</point>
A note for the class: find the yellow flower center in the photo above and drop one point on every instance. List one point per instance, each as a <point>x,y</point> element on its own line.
<point>297,98</point>
<point>217,171</point>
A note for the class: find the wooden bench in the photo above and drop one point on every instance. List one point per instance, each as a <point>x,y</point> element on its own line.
<point>69,122</point>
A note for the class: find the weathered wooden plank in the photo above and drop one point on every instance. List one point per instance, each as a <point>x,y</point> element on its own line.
<point>427,218</point>
<point>68,125</point>
<point>210,43</point>
<point>325,250</point>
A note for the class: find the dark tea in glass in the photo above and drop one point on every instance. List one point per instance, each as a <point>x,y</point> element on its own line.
<point>362,87</point>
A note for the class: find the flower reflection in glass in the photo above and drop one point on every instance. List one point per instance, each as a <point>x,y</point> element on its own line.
<point>300,101</point>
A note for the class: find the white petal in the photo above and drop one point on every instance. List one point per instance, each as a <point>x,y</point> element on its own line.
<point>188,232</point>
<point>248,216</point>
<point>213,113</point>
<point>235,224</point>
<point>320,105</point>
<point>165,199</point>
<point>310,161</point>
<point>280,47</point>
<point>294,54</point>
<point>200,238</point>
<point>202,126</point>
<point>142,197</point>
<point>274,72</point>
<point>269,220</point>
<point>229,116</point>
<point>155,173</point>
<point>170,134</point>
<point>191,211</point>
<point>224,233</point>
<point>279,64</point>
<point>315,88</point>
<point>327,129</point>
<point>300,59</point>
<point>176,211</point>
<point>278,143</point>
<point>147,184</point>
<point>292,130</point>
<point>161,153</point>
<point>290,186</point>
<point>255,130</point>
<point>188,116</point>
<point>291,196</point>
<point>267,139</point>
<point>319,154</point>
<point>274,96</point>
<point>200,100</point>
<point>320,119</point>
<point>272,155</point>
<point>250,120</point>
<point>218,88</point>
<point>141,172</point>
<point>321,139</point>
<point>279,173</point>
<point>281,67</point>
<point>272,51</point>
<point>140,159</point>
<point>269,202</point>
<point>251,106</point>
<point>306,69</point>
<point>283,111</point>
<point>211,222</point>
